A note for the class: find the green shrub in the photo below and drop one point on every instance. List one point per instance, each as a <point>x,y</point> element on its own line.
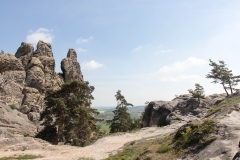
<point>13,106</point>
<point>20,157</point>
<point>228,102</point>
<point>164,148</point>
<point>194,135</point>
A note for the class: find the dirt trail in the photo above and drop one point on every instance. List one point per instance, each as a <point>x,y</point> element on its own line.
<point>99,150</point>
<point>232,121</point>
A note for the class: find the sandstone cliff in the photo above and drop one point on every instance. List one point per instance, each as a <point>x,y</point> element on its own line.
<point>25,77</point>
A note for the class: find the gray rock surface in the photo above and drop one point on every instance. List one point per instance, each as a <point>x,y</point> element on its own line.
<point>24,80</point>
<point>71,68</point>
<point>8,62</point>
<point>15,122</point>
<point>183,107</point>
<point>35,75</point>
<point>43,49</point>
<point>25,53</point>
<point>12,77</point>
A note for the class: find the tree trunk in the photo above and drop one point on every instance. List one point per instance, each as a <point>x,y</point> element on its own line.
<point>225,90</point>
<point>230,87</point>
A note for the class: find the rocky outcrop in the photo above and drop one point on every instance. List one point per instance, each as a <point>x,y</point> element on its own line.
<point>12,77</point>
<point>15,122</point>
<point>25,77</point>
<point>40,76</point>
<point>43,49</point>
<point>71,68</point>
<point>24,53</point>
<point>183,107</point>
<point>9,62</point>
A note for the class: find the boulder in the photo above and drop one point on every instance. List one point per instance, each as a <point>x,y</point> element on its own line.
<point>156,113</point>
<point>25,53</point>
<point>215,99</point>
<point>183,107</point>
<point>43,49</point>
<point>8,62</point>
<point>71,68</point>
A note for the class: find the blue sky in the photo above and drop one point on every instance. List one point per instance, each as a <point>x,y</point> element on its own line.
<point>148,49</point>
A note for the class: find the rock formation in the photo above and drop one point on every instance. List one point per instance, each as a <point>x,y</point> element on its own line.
<point>184,107</point>
<point>25,77</point>
<point>71,68</point>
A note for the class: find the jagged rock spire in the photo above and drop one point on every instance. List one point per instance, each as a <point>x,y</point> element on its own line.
<point>71,68</point>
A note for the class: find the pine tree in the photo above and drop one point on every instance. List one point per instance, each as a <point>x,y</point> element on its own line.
<point>198,92</point>
<point>221,74</point>
<point>121,121</point>
<point>68,113</point>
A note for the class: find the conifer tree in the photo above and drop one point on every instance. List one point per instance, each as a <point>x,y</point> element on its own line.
<point>221,74</point>
<point>121,121</point>
<point>198,92</point>
<point>68,113</point>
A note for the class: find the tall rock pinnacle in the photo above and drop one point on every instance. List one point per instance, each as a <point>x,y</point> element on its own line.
<point>71,68</point>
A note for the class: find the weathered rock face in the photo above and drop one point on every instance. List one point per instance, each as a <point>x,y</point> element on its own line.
<point>25,77</point>
<point>40,76</point>
<point>71,68</point>
<point>43,49</point>
<point>24,80</point>
<point>9,62</point>
<point>156,113</point>
<point>184,107</point>
<point>24,53</point>
<point>15,122</point>
<point>35,75</point>
<point>12,76</point>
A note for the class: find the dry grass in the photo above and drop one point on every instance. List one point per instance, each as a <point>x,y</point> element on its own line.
<point>187,139</point>
<point>228,102</point>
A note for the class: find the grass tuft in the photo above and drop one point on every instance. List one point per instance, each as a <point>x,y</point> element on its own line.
<point>26,156</point>
<point>228,102</point>
<point>13,106</point>
<point>164,148</point>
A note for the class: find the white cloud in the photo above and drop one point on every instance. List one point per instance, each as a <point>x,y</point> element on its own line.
<point>91,65</point>
<point>81,50</point>
<point>137,48</point>
<point>181,66</point>
<point>81,40</point>
<point>40,34</point>
<point>166,51</point>
<point>181,78</point>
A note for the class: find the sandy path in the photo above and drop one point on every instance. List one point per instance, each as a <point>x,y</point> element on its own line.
<point>100,149</point>
<point>232,121</point>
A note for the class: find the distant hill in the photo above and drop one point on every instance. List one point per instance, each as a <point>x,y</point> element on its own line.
<point>106,112</point>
